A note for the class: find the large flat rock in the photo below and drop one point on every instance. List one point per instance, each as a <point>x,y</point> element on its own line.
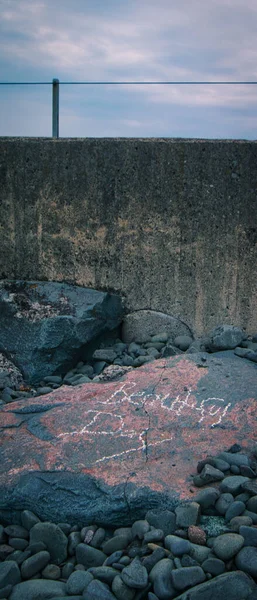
<point>108,452</point>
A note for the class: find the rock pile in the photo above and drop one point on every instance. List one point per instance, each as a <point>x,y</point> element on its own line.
<point>205,548</point>
<point>115,357</point>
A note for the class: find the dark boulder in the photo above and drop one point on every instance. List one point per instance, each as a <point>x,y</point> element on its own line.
<point>44,326</point>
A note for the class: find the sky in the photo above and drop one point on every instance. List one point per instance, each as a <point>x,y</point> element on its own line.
<point>129,40</point>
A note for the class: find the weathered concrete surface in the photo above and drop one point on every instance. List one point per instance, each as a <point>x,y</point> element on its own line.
<point>170,223</point>
<point>109,452</point>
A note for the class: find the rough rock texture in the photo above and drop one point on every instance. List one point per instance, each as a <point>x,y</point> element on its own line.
<point>109,452</point>
<point>45,325</point>
<point>139,326</point>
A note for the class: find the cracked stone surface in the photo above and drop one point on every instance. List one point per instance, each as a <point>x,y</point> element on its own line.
<point>109,452</point>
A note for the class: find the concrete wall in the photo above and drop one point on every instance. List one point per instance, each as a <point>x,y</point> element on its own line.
<point>169,223</point>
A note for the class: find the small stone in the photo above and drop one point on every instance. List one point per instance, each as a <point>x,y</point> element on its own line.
<point>160,337</point>
<point>207,497</point>
<point>177,545</point>
<point>98,538</point>
<point>74,539</point>
<point>223,503</point>
<point>89,557</point>
<point>235,458</point>
<point>237,522</point>
<point>188,514</point>
<point>199,553</point>
<point>37,547</point>
<point>155,535</point>
<point>209,474</point>
<point>51,572</point>
<point>29,519</point>
<point>183,342</point>
<point>38,588</point>
<point>53,537</point>
<point>67,570</point>
<point>162,519</point>
<point>9,573</point>
<point>35,564</point>
<point>135,575</point>
<point>105,574</point>
<point>121,590</point>
<point>249,534</point>
<point>97,590</point>
<point>233,484</point>
<point>250,486</point>
<point>118,542</point>
<point>212,565</point>
<point>5,551</point>
<point>187,577</point>
<point>218,463</point>
<point>161,578</point>
<point>18,543</point>
<point>196,535</point>
<point>246,560</point>
<point>225,337</point>
<point>17,531</point>
<point>139,528</point>
<point>253,516</point>
<point>105,354</point>
<point>234,510</point>
<point>150,561</point>
<point>78,582</point>
<point>43,390</point>
<point>252,504</point>
<point>226,546</point>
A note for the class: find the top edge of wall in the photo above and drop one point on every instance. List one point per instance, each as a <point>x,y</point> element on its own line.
<point>164,140</point>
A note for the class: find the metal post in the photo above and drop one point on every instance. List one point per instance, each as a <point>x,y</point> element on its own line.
<point>55,116</point>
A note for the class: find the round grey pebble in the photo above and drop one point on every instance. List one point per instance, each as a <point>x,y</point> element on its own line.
<point>9,573</point>
<point>187,577</point>
<point>223,503</point>
<point>177,545</point>
<point>98,590</point>
<point>18,543</point>
<point>135,575</point>
<point>29,519</point>
<point>246,560</point>
<point>212,565</point>
<point>121,590</point>
<point>78,582</point>
<point>161,578</point>
<point>228,545</point>
<point>187,514</point>
<point>89,557</point>
<point>162,519</point>
<point>118,542</point>
<point>234,510</point>
<point>207,497</point>
<point>233,484</point>
<point>51,572</point>
<point>236,523</point>
<point>139,529</point>
<point>35,564</point>
<point>54,538</point>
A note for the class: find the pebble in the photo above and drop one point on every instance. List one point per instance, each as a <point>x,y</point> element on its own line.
<point>163,519</point>
<point>121,590</point>
<point>249,534</point>
<point>161,578</point>
<point>54,539</point>
<point>212,565</point>
<point>196,535</point>
<point>9,573</point>
<point>233,484</point>
<point>135,575</point>
<point>89,557</point>
<point>188,514</point>
<point>187,577</point>
<point>228,545</point>
<point>177,545</point>
<point>246,560</point>
<point>78,582</point>
<point>35,564</point>
<point>194,550</point>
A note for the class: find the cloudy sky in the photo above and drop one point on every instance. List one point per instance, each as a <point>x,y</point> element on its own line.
<point>130,40</point>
